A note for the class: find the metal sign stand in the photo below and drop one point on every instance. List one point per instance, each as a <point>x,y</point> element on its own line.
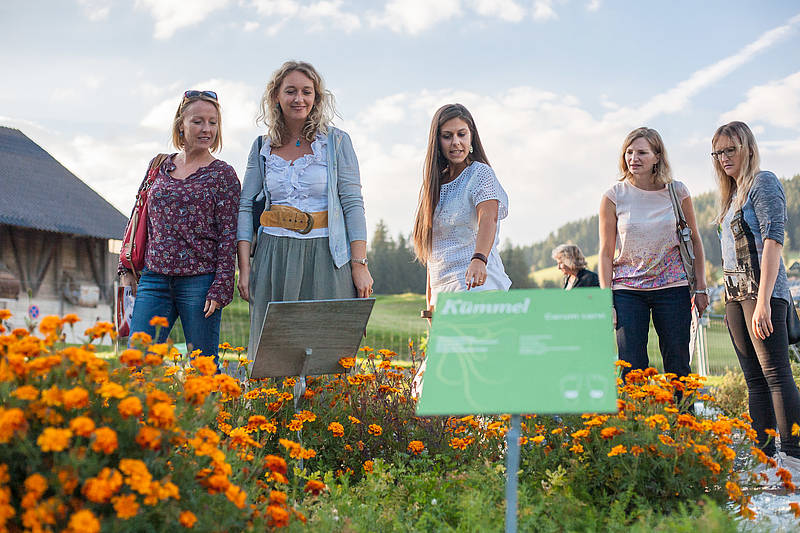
<point>512,467</point>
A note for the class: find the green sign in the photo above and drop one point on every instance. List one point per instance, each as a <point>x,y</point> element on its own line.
<point>523,351</point>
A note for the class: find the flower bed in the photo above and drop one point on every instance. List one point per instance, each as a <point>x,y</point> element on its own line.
<point>154,441</point>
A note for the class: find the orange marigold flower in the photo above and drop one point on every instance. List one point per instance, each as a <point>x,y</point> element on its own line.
<point>131,357</point>
<point>109,389</point>
<point>105,440</point>
<point>84,521</point>
<point>347,362</point>
<point>54,439</point>
<point>278,516</point>
<point>227,385</point>
<point>314,487</point>
<point>576,448</point>
<point>162,414</point>
<point>416,447</point>
<point>636,450</point>
<point>353,420</point>
<point>734,491</point>
<point>83,426</point>
<point>336,428</point>
<point>142,338</point>
<point>611,432</point>
<point>187,519</point>
<point>52,396</point>
<point>461,443</point>
<point>26,392</point>
<point>149,438</point>
<point>369,466</point>
<point>622,364</point>
<point>125,506</point>
<point>50,324</point>
<point>70,319</point>
<point>11,421</point>
<point>795,507</point>
<point>617,450</point>
<point>205,365</point>
<point>771,432</point>
<point>375,429</point>
<point>5,314</point>
<point>37,484</point>
<point>278,497</point>
<point>236,495</point>
<point>76,398</point>
<point>130,406</point>
<point>538,439</point>
<point>275,464</point>
<point>159,321</point>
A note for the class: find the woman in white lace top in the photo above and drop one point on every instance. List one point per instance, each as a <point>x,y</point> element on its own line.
<point>456,231</point>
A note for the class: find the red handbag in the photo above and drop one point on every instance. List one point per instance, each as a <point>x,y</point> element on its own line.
<point>134,243</point>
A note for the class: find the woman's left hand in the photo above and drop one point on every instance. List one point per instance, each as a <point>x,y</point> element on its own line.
<point>762,320</point>
<point>362,280</point>
<point>700,302</point>
<point>476,274</point>
<point>210,307</point>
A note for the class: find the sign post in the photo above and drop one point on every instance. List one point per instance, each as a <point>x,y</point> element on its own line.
<point>544,351</point>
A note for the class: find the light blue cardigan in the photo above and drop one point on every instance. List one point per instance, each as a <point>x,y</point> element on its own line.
<point>346,220</point>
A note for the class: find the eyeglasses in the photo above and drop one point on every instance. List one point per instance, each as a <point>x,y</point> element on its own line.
<point>195,94</point>
<point>729,152</point>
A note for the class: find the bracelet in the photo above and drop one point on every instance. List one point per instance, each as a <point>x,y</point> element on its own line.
<point>480,257</point>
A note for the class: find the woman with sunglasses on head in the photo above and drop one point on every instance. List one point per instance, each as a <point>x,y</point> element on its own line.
<point>752,218</point>
<point>191,229</point>
<point>311,236</point>
<point>456,231</point>
<point>640,259</point>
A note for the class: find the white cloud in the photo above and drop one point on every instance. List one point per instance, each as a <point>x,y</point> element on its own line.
<point>271,8</point>
<point>328,13</point>
<point>415,16</point>
<point>95,10</point>
<point>593,5</point>
<point>173,15</point>
<point>676,98</point>
<point>250,26</point>
<point>543,10</point>
<point>508,10</point>
<point>776,103</point>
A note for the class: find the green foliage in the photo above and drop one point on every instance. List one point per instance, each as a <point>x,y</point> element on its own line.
<point>731,393</point>
<point>392,264</point>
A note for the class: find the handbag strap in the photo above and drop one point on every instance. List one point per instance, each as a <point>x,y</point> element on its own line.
<point>152,173</point>
<point>684,231</point>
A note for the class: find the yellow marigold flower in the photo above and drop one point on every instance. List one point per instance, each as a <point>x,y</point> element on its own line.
<point>416,447</point>
<point>28,392</point>
<point>109,389</point>
<point>336,428</point>
<point>314,487</point>
<point>295,425</point>
<point>375,429</point>
<point>83,426</point>
<point>130,406</point>
<point>347,362</point>
<point>159,321</point>
<point>105,440</point>
<point>576,448</point>
<point>617,450</point>
<point>37,484</point>
<point>580,434</point>
<point>795,429</point>
<point>76,398</point>
<point>353,420</point>
<point>54,439</point>
<point>162,414</point>
<point>369,466</point>
<point>187,519</point>
<point>125,506</point>
<point>131,357</point>
<point>557,431</point>
<point>84,521</point>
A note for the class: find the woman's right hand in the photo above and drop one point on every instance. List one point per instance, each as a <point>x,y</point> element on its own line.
<point>128,280</point>
<point>761,323</point>
<point>244,283</point>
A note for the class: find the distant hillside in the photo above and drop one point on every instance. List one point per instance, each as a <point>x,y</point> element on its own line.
<point>584,232</point>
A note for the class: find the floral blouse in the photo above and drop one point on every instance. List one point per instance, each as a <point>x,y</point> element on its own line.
<point>191,225</point>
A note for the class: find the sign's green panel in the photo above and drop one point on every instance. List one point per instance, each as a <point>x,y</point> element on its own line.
<point>523,351</point>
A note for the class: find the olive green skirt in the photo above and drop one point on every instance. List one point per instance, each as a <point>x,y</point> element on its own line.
<point>285,269</point>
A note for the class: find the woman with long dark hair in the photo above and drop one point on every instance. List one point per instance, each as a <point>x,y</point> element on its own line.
<point>751,221</point>
<point>456,232</point>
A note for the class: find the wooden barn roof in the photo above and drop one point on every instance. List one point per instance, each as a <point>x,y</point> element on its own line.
<point>36,191</point>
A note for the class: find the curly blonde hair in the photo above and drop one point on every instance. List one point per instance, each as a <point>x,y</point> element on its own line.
<point>318,120</point>
<point>570,255</point>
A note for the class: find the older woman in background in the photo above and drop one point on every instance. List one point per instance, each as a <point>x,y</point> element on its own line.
<point>572,264</point>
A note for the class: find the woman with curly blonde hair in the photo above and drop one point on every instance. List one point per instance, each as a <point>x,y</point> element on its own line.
<point>310,237</point>
<point>572,263</point>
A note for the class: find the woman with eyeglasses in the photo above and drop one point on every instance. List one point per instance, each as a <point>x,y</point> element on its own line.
<point>456,231</point>
<point>191,229</point>
<point>310,236</point>
<point>751,221</point>
<point>640,259</point>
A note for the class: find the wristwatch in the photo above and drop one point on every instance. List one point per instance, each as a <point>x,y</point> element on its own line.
<point>701,291</point>
<point>360,261</point>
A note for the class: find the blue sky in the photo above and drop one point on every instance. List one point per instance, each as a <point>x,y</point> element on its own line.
<point>554,85</point>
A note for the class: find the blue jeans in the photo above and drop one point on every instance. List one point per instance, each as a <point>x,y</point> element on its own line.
<point>173,297</point>
<point>672,317</point>
<point>773,396</point>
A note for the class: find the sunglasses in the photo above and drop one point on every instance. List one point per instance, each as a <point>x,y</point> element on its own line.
<point>196,94</point>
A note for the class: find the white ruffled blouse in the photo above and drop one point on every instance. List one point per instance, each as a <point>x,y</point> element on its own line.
<point>302,183</point>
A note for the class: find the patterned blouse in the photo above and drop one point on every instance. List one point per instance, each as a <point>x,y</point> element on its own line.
<point>191,225</point>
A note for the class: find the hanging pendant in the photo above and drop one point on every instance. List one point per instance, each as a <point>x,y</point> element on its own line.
<point>297,143</point>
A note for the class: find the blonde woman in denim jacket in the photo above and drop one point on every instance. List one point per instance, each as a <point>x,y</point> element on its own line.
<point>311,243</point>
<point>752,219</point>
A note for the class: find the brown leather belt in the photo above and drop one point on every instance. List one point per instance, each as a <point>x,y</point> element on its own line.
<point>285,216</point>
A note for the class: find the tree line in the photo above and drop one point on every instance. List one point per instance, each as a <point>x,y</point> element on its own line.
<point>395,270</point>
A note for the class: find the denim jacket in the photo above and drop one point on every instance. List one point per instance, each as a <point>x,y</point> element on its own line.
<point>763,216</point>
<point>346,219</point>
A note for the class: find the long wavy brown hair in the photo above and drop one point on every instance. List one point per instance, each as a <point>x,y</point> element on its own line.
<point>436,171</point>
<point>739,133</point>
